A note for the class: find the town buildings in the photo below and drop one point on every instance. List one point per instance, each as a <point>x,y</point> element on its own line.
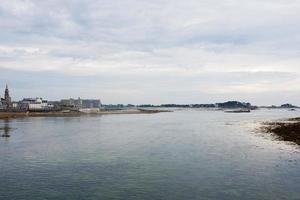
<point>6,103</point>
<point>39,104</point>
<point>81,103</point>
<point>34,104</point>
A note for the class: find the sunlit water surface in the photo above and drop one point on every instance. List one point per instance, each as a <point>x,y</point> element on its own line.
<point>187,154</point>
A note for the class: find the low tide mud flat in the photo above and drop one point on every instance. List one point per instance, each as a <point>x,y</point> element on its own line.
<point>8,115</point>
<point>285,130</point>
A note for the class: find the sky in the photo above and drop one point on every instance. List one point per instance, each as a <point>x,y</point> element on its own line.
<point>152,51</point>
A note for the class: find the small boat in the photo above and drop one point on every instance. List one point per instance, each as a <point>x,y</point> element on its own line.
<point>238,111</point>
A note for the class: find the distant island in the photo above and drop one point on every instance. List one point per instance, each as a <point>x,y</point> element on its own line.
<point>224,105</point>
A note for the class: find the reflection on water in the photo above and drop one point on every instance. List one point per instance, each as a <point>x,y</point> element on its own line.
<point>6,128</point>
<point>187,154</point>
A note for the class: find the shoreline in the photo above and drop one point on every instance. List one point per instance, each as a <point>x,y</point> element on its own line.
<point>11,115</point>
<point>284,130</point>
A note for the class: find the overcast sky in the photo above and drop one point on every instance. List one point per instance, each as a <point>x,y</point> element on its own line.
<point>152,51</point>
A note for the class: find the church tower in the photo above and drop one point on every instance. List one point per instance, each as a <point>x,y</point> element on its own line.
<point>7,97</point>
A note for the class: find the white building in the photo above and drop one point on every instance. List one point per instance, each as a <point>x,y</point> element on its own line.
<point>15,105</point>
<point>37,104</point>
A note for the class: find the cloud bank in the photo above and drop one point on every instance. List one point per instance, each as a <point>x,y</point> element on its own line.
<point>156,51</point>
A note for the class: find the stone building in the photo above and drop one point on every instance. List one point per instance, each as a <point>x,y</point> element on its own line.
<point>81,103</point>
<point>6,103</point>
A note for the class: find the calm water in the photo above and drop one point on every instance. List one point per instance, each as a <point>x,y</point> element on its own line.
<point>187,154</point>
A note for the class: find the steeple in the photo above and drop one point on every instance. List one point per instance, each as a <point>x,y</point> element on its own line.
<point>7,97</point>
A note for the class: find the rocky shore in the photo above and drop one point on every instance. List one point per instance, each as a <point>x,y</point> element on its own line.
<point>7,115</point>
<point>287,130</point>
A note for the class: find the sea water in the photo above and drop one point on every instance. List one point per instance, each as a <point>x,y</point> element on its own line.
<point>185,154</point>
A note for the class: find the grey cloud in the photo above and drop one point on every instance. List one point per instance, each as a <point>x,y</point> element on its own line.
<point>214,48</point>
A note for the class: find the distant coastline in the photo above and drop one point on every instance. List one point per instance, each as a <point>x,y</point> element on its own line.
<point>8,115</point>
